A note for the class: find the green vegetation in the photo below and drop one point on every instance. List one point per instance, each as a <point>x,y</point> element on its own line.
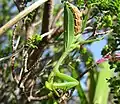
<point>44,56</point>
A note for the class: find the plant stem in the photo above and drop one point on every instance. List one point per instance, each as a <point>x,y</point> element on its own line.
<point>21,15</point>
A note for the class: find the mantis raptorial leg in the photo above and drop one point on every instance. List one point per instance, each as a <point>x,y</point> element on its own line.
<point>71,82</point>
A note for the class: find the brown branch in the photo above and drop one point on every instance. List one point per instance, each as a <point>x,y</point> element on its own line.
<point>20,16</point>
<point>47,16</point>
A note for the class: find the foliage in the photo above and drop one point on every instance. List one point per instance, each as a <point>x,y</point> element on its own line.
<point>49,62</point>
<point>34,41</point>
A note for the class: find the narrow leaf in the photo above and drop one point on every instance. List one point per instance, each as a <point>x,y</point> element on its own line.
<point>68,27</point>
<point>102,89</point>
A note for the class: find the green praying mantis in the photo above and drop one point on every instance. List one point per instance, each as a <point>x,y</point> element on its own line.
<point>69,45</point>
<point>71,42</point>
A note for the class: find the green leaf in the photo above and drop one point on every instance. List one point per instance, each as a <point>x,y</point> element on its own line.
<point>92,84</point>
<point>102,89</point>
<point>68,27</point>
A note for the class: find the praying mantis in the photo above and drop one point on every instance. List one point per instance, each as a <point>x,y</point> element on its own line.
<point>69,45</point>
<point>71,42</point>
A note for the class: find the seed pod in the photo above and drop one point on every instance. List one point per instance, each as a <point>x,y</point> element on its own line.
<point>77,18</point>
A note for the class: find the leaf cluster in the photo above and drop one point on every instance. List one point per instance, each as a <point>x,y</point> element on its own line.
<point>34,41</point>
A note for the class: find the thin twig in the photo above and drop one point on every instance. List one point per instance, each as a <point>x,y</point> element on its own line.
<point>48,33</point>
<point>25,57</point>
<point>18,40</point>
<point>57,32</point>
<point>37,23</point>
<point>21,15</point>
<point>38,98</point>
<point>14,47</point>
<point>8,57</point>
<point>57,17</point>
<point>105,32</point>
<point>90,68</point>
<point>100,33</point>
<point>22,80</point>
